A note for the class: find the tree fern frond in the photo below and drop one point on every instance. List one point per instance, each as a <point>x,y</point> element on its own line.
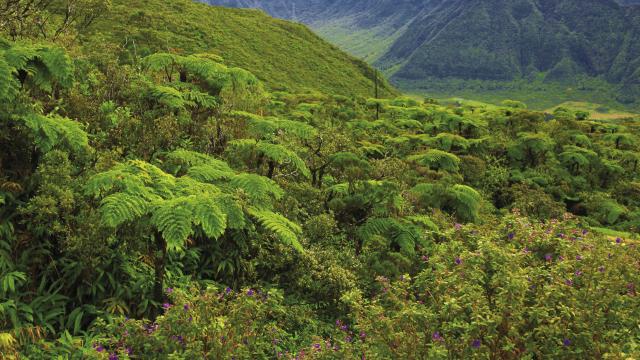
<point>202,99</point>
<point>283,156</point>
<point>286,230</point>
<point>260,190</point>
<point>159,61</point>
<point>58,64</point>
<point>8,83</point>
<point>209,216</point>
<point>437,160</point>
<point>467,201</point>
<point>120,208</point>
<point>168,97</point>
<point>51,131</point>
<point>235,214</point>
<point>173,218</point>
<point>209,173</point>
<point>424,221</point>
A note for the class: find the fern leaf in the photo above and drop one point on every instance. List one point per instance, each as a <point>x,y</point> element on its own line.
<point>259,188</point>
<point>208,215</point>
<point>8,84</point>
<point>286,230</point>
<point>173,218</point>
<point>51,131</point>
<point>283,156</point>
<point>119,208</point>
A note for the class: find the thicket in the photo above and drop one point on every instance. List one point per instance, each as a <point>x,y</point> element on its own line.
<point>174,207</point>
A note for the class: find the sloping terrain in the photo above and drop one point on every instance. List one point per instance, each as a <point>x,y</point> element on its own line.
<point>282,54</point>
<point>554,41</point>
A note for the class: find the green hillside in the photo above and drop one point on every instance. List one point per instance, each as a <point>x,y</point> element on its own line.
<point>283,54</point>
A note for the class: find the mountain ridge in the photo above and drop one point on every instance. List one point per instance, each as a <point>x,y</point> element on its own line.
<point>557,41</point>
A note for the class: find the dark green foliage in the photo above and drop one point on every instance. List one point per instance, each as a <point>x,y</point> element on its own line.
<point>144,200</point>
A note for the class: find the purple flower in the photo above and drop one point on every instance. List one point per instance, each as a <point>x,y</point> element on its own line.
<point>601,269</point>
<point>569,282</point>
<point>585,232</point>
<point>227,290</point>
<point>578,257</point>
<point>548,257</point>
<point>363,335</point>
<point>458,261</point>
<point>578,273</point>
<point>166,306</point>
<point>560,258</point>
<point>349,338</point>
<point>425,258</point>
<point>511,236</point>
<point>338,322</point>
<point>476,343</point>
<point>99,348</point>
<point>458,226</point>
<point>561,236</point>
<point>169,290</point>
<point>344,328</point>
<point>618,240</point>
<point>317,346</point>
<point>436,336</point>
<point>566,342</point>
<point>113,356</point>
<point>129,351</point>
<point>186,307</point>
<point>250,292</point>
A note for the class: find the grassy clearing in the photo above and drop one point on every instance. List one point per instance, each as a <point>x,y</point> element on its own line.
<point>597,111</point>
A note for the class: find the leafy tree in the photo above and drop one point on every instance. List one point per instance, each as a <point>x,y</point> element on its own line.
<point>176,208</point>
<point>437,160</point>
<point>531,149</point>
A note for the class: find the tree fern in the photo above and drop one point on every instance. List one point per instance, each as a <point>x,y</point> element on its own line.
<point>437,160</point>
<point>267,127</point>
<point>283,156</point>
<point>462,200</point>
<point>44,66</point>
<point>448,142</point>
<point>402,234</point>
<point>466,202</point>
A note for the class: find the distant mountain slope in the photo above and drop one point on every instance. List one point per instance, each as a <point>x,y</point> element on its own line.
<point>496,40</point>
<point>629,2</point>
<point>281,53</point>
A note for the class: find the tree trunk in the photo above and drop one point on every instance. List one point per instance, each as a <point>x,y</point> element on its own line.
<point>272,168</point>
<point>159,269</point>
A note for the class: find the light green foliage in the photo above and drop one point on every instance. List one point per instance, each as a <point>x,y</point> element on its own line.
<point>437,160</point>
<point>54,131</point>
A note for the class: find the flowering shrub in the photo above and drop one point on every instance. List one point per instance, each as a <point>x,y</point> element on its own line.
<point>526,289</point>
<point>214,324</point>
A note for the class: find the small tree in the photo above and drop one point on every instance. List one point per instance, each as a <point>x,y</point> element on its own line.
<point>204,200</point>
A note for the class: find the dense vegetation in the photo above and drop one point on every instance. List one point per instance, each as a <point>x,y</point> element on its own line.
<point>168,204</point>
